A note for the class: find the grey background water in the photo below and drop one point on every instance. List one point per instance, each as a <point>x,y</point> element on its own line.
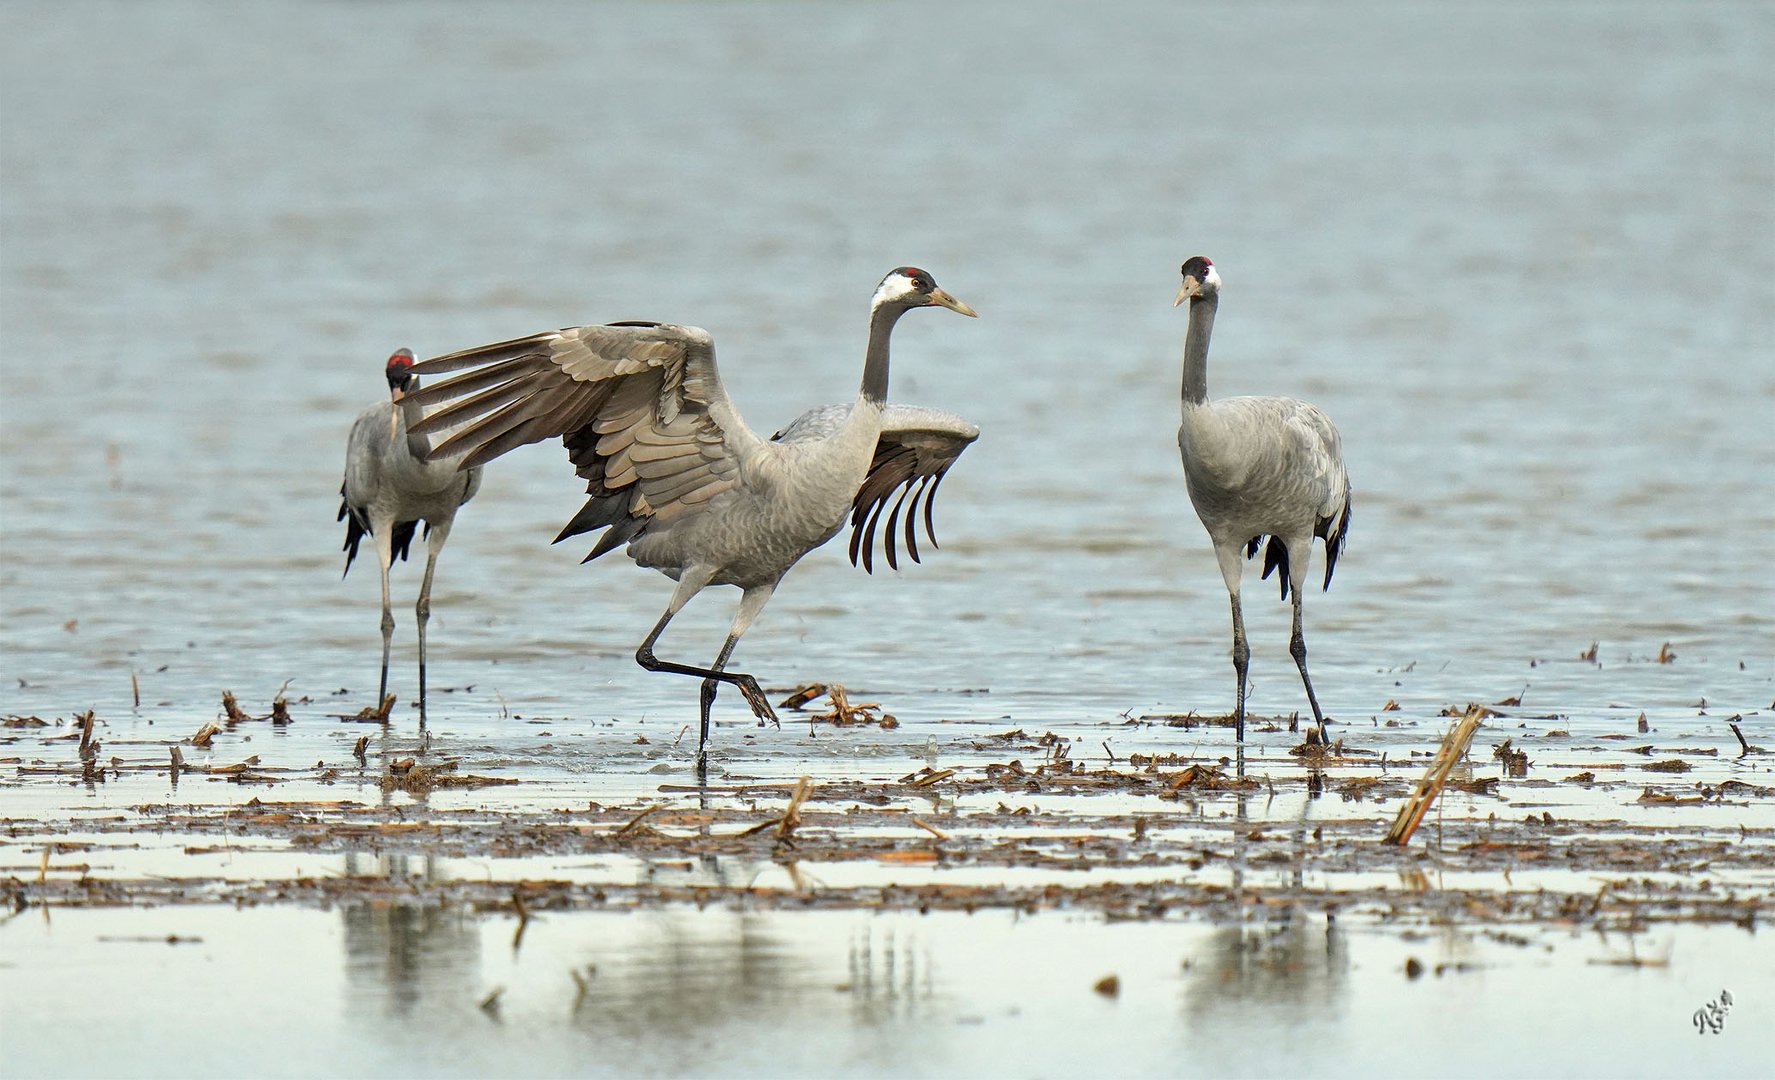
<point>1524,255</point>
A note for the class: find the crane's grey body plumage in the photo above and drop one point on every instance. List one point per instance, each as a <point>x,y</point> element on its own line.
<point>1258,468</point>
<point>672,472</point>
<point>391,488</point>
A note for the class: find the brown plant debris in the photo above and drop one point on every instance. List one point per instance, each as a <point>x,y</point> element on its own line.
<point>1515,761</point>
<point>205,733</point>
<point>376,715</point>
<point>844,712</point>
<point>927,776</point>
<point>415,779</point>
<point>1455,711</point>
<point>1109,986</point>
<point>1202,777</point>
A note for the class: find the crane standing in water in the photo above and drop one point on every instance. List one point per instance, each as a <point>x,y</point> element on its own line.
<point>390,487</point>
<point>677,476</point>
<point>1256,467</point>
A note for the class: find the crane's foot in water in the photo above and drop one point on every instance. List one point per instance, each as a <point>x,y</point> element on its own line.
<point>755,698</point>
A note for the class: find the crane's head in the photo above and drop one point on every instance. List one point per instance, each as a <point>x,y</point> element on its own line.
<point>1199,279</point>
<point>401,380</point>
<point>910,287</point>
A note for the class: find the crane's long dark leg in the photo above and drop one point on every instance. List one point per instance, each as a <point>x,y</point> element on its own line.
<point>1297,647</point>
<point>422,611</point>
<point>385,556</point>
<point>1241,666</point>
<point>750,603</point>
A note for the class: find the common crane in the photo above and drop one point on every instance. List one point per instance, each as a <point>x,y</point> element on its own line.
<point>675,474</point>
<point>390,487</point>
<point>1257,467</point>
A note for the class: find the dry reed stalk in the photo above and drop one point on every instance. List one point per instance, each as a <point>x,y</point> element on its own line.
<point>1454,747</point>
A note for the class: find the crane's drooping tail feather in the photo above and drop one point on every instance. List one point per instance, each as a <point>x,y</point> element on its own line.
<point>1275,555</point>
<point>356,528</point>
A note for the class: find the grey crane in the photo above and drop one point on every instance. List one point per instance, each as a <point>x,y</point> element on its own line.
<point>1257,467</point>
<point>675,474</point>
<point>390,486</point>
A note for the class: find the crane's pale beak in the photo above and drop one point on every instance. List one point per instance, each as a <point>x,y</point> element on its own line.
<point>938,296</point>
<point>1191,288</point>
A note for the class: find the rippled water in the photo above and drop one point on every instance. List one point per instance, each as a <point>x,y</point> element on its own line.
<point>1523,255</point>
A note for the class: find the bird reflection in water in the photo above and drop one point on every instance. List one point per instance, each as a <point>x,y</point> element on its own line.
<point>402,955</point>
<point>1297,963</point>
<point>1289,960</point>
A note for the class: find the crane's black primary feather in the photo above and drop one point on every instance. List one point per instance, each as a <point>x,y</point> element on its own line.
<point>897,467</point>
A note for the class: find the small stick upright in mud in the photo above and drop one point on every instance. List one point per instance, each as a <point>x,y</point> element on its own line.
<point>1454,745</point>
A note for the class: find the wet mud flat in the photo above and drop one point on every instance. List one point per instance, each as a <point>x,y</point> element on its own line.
<point>1135,819</point>
<point>560,884</point>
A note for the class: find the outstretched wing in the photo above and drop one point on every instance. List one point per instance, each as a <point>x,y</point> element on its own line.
<point>639,406</point>
<point>916,448</point>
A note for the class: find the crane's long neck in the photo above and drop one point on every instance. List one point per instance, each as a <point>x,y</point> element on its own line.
<point>875,362</point>
<point>1195,348</point>
<point>408,406</point>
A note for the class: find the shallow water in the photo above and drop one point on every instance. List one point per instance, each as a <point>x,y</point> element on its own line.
<point>1522,255</point>
<point>394,990</point>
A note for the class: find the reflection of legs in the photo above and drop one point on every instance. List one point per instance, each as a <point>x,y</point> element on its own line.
<point>385,556</point>
<point>689,585</point>
<point>1297,645</point>
<point>434,543</point>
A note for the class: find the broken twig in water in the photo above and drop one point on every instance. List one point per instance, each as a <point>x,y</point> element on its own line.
<point>932,829</point>
<point>87,751</point>
<point>1454,747</point>
<point>523,917</point>
<point>792,815</point>
<point>635,822</point>
<point>786,822</point>
<point>1746,747</point>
